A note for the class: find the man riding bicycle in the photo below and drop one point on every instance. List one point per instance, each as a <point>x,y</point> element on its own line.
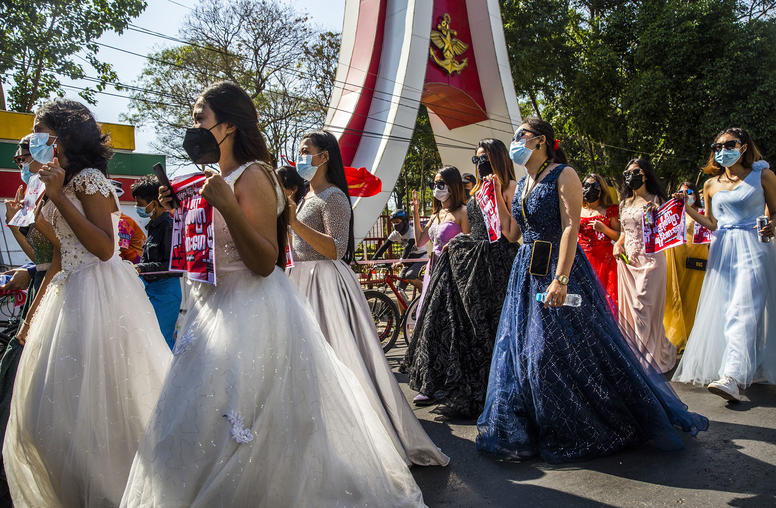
<point>404,235</point>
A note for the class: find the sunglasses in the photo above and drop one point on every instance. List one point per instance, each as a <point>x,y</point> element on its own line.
<point>727,145</point>
<point>522,132</point>
<point>590,184</point>
<point>632,172</point>
<point>440,185</point>
<point>479,159</point>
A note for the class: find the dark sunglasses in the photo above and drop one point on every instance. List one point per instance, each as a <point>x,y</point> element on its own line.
<point>440,185</point>
<point>727,145</point>
<point>633,172</point>
<point>590,184</point>
<point>479,159</point>
<point>522,132</point>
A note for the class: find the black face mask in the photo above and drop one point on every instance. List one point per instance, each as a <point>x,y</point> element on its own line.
<point>484,169</point>
<point>634,180</point>
<point>591,192</point>
<point>201,146</point>
<point>402,227</point>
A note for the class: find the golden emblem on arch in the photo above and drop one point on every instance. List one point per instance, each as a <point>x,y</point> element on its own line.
<point>445,40</point>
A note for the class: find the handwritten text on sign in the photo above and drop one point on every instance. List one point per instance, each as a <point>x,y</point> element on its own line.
<point>486,199</point>
<point>192,231</point>
<point>664,228</point>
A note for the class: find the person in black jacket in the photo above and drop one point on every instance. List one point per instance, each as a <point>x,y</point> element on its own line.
<point>163,289</point>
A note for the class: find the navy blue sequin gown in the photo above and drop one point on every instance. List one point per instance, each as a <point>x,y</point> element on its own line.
<point>564,383</point>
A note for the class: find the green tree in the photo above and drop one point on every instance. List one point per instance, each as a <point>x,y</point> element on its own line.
<point>266,47</point>
<point>41,40</point>
<point>421,162</point>
<point>620,79</point>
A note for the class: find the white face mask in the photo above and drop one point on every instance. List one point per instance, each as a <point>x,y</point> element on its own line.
<point>442,194</point>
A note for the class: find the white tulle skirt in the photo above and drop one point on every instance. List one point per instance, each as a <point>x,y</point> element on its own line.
<point>88,380</point>
<point>257,411</point>
<point>734,332</point>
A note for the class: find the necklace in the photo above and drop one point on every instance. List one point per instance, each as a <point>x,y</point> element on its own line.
<point>534,183</point>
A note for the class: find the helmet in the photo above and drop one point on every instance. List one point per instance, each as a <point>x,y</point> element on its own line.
<point>400,214</point>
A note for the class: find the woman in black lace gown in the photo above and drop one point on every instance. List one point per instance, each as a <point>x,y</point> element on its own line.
<point>449,357</point>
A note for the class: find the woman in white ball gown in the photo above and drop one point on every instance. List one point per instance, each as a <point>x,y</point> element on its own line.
<point>94,360</point>
<point>257,410</point>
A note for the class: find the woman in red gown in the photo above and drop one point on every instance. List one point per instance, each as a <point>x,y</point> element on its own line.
<point>599,225</point>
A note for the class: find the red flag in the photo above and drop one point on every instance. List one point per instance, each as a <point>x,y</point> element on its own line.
<point>361,183</point>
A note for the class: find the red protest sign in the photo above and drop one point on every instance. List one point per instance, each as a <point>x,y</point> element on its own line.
<point>192,231</point>
<point>486,199</point>
<point>664,228</point>
<point>700,233</point>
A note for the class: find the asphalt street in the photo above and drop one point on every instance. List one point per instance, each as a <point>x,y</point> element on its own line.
<point>732,464</point>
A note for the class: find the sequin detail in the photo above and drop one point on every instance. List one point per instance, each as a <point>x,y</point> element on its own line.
<point>327,212</point>
<point>183,343</point>
<point>239,432</point>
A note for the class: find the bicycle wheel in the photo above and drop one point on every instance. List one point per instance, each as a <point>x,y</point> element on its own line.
<point>410,319</point>
<point>386,316</point>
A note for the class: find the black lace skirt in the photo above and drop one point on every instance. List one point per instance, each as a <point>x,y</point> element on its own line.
<point>449,357</point>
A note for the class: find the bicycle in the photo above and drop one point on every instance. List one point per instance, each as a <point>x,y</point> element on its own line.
<point>390,316</point>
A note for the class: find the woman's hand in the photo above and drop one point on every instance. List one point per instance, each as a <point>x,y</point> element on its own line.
<point>291,212</point>
<point>767,231</point>
<point>12,206</point>
<point>598,226</point>
<point>415,201</point>
<point>556,295</point>
<point>21,335</point>
<point>618,250</point>
<point>217,192</point>
<point>20,279</point>
<point>651,207</point>
<point>53,176</point>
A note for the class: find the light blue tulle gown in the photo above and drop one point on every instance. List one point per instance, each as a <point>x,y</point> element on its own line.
<point>566,383</point>
<point>734,333</point>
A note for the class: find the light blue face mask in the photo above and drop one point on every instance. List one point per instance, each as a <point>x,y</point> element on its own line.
<point>26,173</point>
<point>304,166</point>
<point>40,150</point>
<point>519,153</point>
<point>141,212</point>
<point>727,158</point>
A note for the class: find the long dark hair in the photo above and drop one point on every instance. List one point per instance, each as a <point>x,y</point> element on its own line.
<point>542,128</point>
<point>82,142</point>
<point>452,177</point>
<point>654,185</point>
<point>290,179</point>
<point>499,161</point>
<point>751,154</point>
<point>232,105</point>
<point>335,174</point>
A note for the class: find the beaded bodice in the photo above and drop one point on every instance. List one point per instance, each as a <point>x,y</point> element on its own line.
<point>328,212</point>
<point>74,255</point>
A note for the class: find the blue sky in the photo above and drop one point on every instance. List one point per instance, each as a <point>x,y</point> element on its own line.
<point>165,16</point>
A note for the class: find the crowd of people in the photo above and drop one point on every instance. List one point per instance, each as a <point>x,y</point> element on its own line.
<point>285,363</point>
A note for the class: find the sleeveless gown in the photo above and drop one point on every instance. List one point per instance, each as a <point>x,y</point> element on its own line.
<point>641,288</point>
<point>564,383</point>
<point>734,332</point>
<point>598,249</point>
<point>257,410</point>
<point>340,308</point>
<point>89,376</point>
<point>449,357</point>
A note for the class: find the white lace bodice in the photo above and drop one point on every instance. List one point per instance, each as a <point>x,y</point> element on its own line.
<point>74,254</point>
<point>227,257</point>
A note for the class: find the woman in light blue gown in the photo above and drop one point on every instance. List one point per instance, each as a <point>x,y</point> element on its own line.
<point>733,341</point>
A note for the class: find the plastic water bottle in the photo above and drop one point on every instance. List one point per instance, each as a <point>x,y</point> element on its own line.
<point>572,300</point>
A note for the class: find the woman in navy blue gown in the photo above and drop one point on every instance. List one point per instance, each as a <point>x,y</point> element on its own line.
<point>564,382</point>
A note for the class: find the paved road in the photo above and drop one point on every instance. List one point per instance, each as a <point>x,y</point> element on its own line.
<point>733,464</point>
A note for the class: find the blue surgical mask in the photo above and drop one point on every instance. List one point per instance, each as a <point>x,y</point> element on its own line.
<point>727,158</point>
<point>519,153</point>
<point>26,173</point>
<point>141,212</point>
<point>40,150</point>
<point>304,166</point>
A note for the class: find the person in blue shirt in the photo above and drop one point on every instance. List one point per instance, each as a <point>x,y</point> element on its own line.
<point>164,290</point>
